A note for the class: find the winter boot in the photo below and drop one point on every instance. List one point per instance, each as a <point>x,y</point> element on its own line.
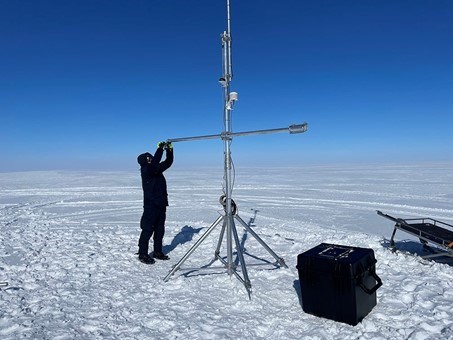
<point>145,258</point>
<point>160,256</point>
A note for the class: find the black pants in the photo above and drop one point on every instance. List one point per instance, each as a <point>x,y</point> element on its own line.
<point>152,222</point>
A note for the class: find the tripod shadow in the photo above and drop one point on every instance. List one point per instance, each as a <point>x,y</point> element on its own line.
<point>417,249</point>
<point>185,235</point>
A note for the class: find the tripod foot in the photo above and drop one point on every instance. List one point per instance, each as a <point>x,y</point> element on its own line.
<point>281,262</point>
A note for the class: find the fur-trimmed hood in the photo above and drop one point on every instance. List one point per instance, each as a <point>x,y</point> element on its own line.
<point>141,159</point>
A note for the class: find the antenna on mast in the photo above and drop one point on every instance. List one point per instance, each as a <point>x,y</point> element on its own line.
<point>227,220</point>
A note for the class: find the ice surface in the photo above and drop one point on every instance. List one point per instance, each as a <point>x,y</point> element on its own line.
<point>68,243</point>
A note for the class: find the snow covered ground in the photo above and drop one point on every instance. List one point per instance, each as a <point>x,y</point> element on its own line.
<point>68,243</point>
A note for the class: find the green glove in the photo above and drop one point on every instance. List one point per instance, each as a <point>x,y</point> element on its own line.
<point>161,145</point>
<point>168,146</point>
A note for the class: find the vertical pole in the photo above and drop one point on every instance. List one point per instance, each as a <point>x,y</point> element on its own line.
<point>230,208</point>
<point>226,45</point>
<point>230,71</point>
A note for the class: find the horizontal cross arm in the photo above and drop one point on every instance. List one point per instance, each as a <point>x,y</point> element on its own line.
<point>292,129</point>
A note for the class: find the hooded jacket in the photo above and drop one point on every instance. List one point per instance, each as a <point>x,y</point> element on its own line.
<point>153,181</point>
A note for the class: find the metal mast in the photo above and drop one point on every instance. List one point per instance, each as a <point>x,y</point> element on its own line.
<point>228,76</point>
<point>229,206</point>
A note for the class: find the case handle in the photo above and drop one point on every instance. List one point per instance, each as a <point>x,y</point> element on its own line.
<point>375,288</point>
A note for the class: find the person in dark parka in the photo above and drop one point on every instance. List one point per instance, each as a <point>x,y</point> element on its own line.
<point>155,201</point>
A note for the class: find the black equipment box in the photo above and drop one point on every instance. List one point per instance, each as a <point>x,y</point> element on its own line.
<point>338,282</point>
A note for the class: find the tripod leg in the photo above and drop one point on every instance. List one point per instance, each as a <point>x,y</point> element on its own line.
<point>392,241</point>
<point>229,231</point>
<point>246,280</point>
<point>250,230</point>
<point>195,246</point>
<point>219,244</point>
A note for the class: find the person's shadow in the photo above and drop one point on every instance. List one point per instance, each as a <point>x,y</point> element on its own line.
<point>185,235</point>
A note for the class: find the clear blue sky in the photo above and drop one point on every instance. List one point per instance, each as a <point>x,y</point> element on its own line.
<point>91,84</point>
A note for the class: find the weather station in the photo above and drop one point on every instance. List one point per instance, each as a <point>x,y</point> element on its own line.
<point>230,214</point>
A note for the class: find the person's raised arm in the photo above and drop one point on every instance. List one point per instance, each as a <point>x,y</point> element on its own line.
<point>154,166</point>
<point>168,158</point>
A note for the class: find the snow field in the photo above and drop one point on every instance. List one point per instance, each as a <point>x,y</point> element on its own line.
<point>68,243</point>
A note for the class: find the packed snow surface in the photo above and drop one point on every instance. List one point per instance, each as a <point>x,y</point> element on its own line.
<point>68,242</point>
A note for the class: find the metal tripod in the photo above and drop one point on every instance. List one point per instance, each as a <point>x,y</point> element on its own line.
<point>228,229</point>
<point>229,226</point>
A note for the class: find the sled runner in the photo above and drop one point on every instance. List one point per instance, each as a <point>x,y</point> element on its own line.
<point>428,231</point>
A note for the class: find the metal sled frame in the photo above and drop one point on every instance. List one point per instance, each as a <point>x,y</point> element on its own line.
<point>428,230</point>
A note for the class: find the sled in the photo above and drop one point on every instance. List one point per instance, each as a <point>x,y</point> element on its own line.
<point>429,231</point>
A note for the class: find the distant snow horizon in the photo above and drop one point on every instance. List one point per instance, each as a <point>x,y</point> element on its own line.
<point>131,165</point>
